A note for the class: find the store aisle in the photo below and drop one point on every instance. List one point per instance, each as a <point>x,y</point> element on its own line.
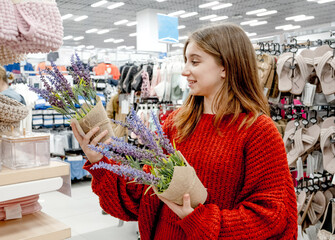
<point>83,214</point>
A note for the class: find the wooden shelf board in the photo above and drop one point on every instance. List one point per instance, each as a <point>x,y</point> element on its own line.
<point>36,226</point>
<point>55,169</point>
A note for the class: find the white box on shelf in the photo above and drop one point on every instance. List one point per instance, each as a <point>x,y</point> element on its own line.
<point>32,150</point>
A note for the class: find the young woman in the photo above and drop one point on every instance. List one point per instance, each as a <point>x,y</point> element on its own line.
<point>225,133</point>
<point>6,90</point>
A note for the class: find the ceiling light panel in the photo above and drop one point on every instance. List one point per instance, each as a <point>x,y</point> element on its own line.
<point>115,5</point>
<point>109,40</point>
<point>68,37</point>
<point>103,31</point>
<point>93,30</point>
<point>81,18</point>
<point>267,13</point>
<point>67,16</point>
<point>131,24</point>
<point>98,4</point>
<point>121,22</point>
<point>325,1</point>
<point>304,18</point>
<point>207,17</point>
<point>225,5</point>
<point>191,14</point>
<point>210,4</point>
<point>219,18</point>
<point>118,40</point>
<point>181,27</point>
<point>256,11</point>
<point>176,13</point>
<point>78,38</point>
<point>133,35</point>
<point>251,34</point>
<point>258,23</point>
<point>248,22</point>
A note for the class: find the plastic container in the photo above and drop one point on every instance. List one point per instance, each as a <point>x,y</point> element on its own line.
<point>28,151</point>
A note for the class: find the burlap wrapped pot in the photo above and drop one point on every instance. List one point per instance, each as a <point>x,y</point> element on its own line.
<point>184,180</point>
<point>11,113</point>
<point>97,117</point>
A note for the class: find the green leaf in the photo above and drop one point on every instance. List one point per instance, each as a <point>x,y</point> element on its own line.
<point>147,189</point>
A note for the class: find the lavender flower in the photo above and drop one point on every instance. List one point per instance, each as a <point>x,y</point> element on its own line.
<point>59,93</point>
<point>121,147</point>
<point>135,124</point>
<point>85,73</point>
<point>111,155</point>
<point>129,173</point>
<point>162,138</point>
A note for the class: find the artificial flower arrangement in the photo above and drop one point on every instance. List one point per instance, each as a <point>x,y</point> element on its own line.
<point>170,175</point>
<point>64,98</point>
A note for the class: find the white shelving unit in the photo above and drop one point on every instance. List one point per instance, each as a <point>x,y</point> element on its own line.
<point>37,226</point>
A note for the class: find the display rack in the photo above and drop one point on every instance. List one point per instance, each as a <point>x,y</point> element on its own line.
<point>37,226</point>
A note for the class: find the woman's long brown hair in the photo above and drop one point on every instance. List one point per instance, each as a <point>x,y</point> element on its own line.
<point>240,90</point>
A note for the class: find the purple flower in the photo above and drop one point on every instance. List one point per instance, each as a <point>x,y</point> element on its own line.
<point>110,155</point>
<point>62,81</point>
<point>85,72</point>
<point>135,124</point>
<point>129,173</point>
<point>121,147</point>
<point>162,138</point>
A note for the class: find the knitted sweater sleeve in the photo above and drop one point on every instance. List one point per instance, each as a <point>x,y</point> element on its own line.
<point>266,204</point>
<point>116,197</point>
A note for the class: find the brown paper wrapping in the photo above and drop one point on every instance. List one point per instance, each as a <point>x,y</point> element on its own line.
<point>184,180</point>
<point>97,117</point>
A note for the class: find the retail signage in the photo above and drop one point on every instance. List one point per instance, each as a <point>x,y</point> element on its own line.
<point>167,29</point>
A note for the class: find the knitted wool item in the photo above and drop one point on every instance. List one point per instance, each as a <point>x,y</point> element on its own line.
<point>40,26</point>
<point>245,171</point>
<point>8,56</point>
<point>11,113</point>
<point>8,26</point>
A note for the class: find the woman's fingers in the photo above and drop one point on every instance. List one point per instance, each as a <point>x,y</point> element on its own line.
<point>97,139</point>
<point>88,136</point>
<point>76,133</point>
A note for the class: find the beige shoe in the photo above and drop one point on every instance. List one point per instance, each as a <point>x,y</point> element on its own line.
<point>328,144</point>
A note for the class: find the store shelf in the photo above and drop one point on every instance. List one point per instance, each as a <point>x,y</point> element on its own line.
<point>55,169</point>
<point>24,189</point>
<point>37,226</point>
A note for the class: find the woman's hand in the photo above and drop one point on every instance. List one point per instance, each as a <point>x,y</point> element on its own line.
<point>181,211</point>
<point>84,141</point>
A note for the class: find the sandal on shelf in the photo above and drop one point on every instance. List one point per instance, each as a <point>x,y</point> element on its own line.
<point>303,140</point>
<point>294,73</point>
<point>328,224</point>
<point>284,72</point>
<point>329,194</point>
<point>317,207</point>
<point>301,198</point>
<point>264,64</point>
<point>325,67</point>
<point>303,213</point>
<point>328,144</point>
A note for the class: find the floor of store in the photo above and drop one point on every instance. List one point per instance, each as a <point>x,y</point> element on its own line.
<point>83,214</point>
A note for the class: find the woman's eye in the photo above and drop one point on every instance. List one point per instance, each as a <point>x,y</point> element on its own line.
<point>194,62</point>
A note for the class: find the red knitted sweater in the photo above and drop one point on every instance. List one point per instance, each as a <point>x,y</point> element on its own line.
<point>250,190</point>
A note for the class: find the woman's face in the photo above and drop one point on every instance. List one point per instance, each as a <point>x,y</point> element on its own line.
<point>203,74</point>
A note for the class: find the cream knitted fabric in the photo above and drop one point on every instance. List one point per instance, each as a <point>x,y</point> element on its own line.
<point>11,112</point>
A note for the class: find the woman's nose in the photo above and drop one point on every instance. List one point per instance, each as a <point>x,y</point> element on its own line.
<point>185,72</point>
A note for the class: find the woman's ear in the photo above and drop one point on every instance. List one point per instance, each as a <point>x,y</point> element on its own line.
<point>223,73</point>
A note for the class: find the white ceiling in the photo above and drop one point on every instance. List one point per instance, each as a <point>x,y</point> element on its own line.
<point>103,18</point>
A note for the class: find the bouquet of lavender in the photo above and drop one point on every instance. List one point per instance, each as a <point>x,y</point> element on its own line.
<point>65,99</point>
<point>170,175</point>
<point>59,93</point>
